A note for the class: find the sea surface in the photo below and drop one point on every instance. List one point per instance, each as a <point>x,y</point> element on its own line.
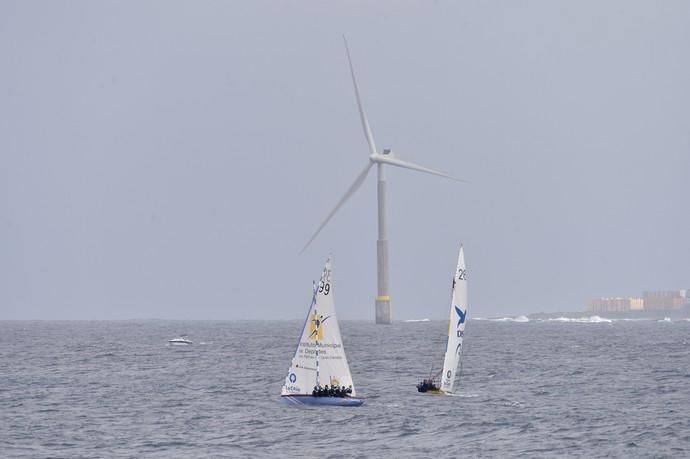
<point>530,389</point>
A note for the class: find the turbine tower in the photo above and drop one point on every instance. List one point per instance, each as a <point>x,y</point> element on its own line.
<point>383,299</point>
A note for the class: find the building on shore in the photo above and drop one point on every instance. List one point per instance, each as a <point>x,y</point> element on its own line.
<point>669,299</point>
<point>651,301</point>
<point>616,304</point>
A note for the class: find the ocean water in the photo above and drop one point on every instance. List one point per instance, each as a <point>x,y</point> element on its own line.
<point>528,389</point>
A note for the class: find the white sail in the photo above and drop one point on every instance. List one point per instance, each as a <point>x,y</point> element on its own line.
<point>456,327</point>
<point>320,356</point>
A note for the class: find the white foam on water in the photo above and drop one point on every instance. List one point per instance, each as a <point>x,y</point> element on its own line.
<point>520,319</point>
<point>457,394</point>
<point>582,320</point>
<point>560,319</point>
<point>416,320</point>
<point>631,320</point>
<point>577,320</point>
<point>665,320</point>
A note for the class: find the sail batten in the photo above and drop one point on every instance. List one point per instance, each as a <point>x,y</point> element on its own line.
<point>456,325</point>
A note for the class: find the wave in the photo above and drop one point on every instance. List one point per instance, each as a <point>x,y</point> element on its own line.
<point>525,319</point>
<point>576,320</point>
<point>416,320</point>
<point>520,319</point>
<point>463,395</point>
<point>582,320</point>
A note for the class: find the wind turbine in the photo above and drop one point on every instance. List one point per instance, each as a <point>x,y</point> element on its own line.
<point>383,299</point>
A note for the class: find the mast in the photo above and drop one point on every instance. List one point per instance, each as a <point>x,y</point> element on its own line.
<point>316,341</point>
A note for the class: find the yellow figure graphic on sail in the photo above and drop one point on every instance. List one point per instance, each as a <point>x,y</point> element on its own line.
<point>316,326</point>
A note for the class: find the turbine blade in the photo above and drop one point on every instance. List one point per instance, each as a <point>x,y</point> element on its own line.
<point>350,191</point>
<point>365,123</point>
<point>414,167</point>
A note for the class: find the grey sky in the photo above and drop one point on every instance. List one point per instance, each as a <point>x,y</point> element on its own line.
<point>167,159</point>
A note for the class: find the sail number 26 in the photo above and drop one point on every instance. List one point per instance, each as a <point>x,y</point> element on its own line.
<point>325,283</point>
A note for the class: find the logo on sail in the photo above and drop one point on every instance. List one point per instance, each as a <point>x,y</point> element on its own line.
<point>461,320</point>
<point>461,315</point>
<point>316,326</point>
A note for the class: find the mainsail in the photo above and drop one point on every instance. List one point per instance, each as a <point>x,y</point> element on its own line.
<point>320,356</point>
<point>456,327</point>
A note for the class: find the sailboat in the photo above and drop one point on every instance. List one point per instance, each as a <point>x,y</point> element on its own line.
<point>456,332</point>
<point>320,356</point>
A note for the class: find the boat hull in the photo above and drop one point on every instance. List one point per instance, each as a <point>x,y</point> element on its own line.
<point>435,392</point>
<point>310,400</point>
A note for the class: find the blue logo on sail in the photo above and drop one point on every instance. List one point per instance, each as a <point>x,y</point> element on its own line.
<point>461,316</point>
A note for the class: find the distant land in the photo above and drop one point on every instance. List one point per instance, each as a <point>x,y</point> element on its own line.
<point>652,304</point>
<point>674,304</point>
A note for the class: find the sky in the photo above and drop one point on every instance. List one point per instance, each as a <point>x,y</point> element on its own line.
<point>166,159</point>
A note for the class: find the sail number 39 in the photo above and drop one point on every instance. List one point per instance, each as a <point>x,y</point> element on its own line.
<point>325,283</point>
<point>324,288</point>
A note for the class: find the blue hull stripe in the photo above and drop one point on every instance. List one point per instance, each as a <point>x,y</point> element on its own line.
<point>319,401</point>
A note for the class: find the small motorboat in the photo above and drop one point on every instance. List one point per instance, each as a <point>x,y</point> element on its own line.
<point>181,341</point>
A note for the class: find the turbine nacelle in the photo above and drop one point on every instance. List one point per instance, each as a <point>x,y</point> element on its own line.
<point>381,157</point>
